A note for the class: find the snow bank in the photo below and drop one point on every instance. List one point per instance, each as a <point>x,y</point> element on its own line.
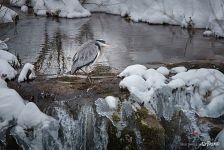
<point>27,73</point>
<point>3,45</point>
<point>64,8</point>
<point>133,70</point>
<point>7,71</point>
<point>204,13</point>
<point>10,58</point>
<point>6,15</point>
<point>112,102</point>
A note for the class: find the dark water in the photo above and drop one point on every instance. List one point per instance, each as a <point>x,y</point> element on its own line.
<point>50,43</point>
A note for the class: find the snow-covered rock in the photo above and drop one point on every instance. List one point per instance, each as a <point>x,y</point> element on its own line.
<point>177,83</point>
<point>133,81</point>
<point>6,70</point>
<point>3,45</point>
<point>10,58</point>
<point>163,70</point>
<point>3,84</point>
<point>27,73</point>
<point>133,70</point>
<point>207,33</point>
<point>112,102</point>
<point>154,79</point>
<point>178,69</point>
<point>24,9</point>
<point>31,116</point>
<point>6,15</point>
<point>11,104</point>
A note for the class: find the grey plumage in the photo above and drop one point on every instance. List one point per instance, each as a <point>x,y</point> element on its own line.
<point>85,55</point>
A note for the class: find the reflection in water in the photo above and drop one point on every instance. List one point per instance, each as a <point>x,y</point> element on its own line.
<point>50,45</point>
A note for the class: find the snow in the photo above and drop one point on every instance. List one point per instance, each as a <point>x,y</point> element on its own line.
<point>3,84</point>
<point>177,83</point>
<point>204,13</point>
<point>6,71</point>
<point>6,15</point>
<point>10,58</point>
<point>163,70</point>
<point>31,116</point>
<point>154,79</point>
<point>133,70</point>
<point>63,8</point>
<point>23,74</point>
<point>178,69</point>
<point>133,81</point>
<point>112,102</point>
<point>13,107</point>
<point>11,104</point>
<point>207,33</point>
<point>3,45</point>
<point>206,87</point>
<point>24,9</point>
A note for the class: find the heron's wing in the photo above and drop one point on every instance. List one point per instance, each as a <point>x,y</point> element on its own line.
<point>86,55</point>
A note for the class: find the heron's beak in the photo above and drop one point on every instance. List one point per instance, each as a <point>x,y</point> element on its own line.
<point>106,45</point>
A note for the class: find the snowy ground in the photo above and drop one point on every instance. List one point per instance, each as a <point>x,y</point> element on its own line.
<point>6,14</point>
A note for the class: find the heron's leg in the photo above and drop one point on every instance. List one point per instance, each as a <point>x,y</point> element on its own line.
<point>89,78</point>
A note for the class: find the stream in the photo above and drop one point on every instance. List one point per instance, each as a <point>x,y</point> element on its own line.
<point>50,44</point>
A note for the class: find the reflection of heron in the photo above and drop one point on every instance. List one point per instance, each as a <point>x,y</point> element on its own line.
<point>87,55</point>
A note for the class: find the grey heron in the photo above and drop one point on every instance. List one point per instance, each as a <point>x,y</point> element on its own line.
<point>87,54</point>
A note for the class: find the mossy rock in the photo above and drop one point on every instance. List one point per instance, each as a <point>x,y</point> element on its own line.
<point>153,134</point>
<point>126,140</point>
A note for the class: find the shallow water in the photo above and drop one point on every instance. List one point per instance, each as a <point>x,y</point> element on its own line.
<point>50,43</point>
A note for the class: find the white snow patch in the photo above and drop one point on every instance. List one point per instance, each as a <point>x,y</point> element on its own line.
<point>11,104</point>
<point>6,70</point>
<point>133,70</point>
<point>62,8</point>
<point>23,74</point>
<point>178,69</point>
<point>177,83</point>
<point>3,84</point>
<point>31,116</point>
<point>154,79</point>
<point>207,33</point>
<point>163,70</point>
<point>134,81</point>
<point>112,102</point>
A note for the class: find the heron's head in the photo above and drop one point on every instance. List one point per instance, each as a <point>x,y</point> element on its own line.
<point>102,43</point>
